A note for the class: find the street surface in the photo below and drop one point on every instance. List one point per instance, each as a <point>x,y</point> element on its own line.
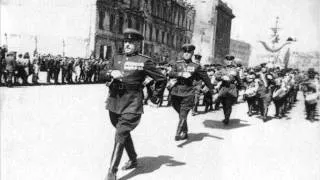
<point>63,133</point>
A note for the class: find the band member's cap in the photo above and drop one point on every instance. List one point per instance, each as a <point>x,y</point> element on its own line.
<point>197,56</point>
<point>229,57</point>
<point>188,47</point>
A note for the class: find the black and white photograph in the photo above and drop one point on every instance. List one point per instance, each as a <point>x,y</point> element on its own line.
<point>159,89</point>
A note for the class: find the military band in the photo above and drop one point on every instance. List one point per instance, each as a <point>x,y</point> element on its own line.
<point>134,79</point>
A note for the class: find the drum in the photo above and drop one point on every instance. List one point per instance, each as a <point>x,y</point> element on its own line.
<point>279,93</point>
<point>250,92</point>
<point>311,98</point>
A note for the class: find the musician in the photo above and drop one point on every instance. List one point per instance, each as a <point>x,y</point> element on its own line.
<point>250,93</point>
<point>279,96</point>
<point>310,90</point>
<point>264,93</point>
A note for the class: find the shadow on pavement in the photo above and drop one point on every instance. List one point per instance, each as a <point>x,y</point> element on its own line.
<point>197,137</point>
<point>233,124</point>
<point>149,164</point>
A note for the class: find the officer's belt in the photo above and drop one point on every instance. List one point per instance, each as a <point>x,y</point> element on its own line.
<point>125,86</point>
<point>183,82</point>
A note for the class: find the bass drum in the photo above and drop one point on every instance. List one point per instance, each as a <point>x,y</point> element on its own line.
<point>250,92</point>
<point>279,93</point>
<point>311,98</point>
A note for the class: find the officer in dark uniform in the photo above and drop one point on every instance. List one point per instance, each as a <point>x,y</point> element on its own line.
<point>125,101</point>
<point>197,87</point>
<point>183,92</point>
<point>10,67</point>
<point>228,91</point>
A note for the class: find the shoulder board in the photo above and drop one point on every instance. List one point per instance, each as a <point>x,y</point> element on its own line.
<point>179,61</point>
<point>145,56</point>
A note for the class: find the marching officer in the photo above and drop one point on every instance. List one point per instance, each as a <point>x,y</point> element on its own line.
<point>228,88</point>
<point>125,101</point>
<point>185,72</point>
<point>197,87</point>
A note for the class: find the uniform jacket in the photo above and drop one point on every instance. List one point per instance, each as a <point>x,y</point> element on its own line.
<point>184,86</point>
<point>10,64</point>
<point>134,68</point>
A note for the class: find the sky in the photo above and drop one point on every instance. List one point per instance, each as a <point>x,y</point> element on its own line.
<point>254,18</point>
<point>299,19</point>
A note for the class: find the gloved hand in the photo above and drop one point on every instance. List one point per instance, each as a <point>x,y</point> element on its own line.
<point>185,74</point>
<point>155,100</point>
<point>214,91</point>
<point>116,74</point>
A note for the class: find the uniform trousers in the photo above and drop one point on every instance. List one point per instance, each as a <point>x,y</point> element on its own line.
<point>182,105</point>
<point>124,124</point>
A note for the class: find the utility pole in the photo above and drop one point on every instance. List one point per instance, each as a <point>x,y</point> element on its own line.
<point>36,45</point>
<point>63,48</point>
<point>144,14</point>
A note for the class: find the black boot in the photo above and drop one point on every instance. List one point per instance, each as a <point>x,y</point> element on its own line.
<point>181,125</point>
<point>115,161</point>
<point>132,163</point>
<point>265,115</point>
<point>226,121</point>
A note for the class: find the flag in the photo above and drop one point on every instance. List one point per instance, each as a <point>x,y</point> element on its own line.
<point>286,58</point>
<point>273,50</point>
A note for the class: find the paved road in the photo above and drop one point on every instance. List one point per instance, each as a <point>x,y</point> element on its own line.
<point>63,133</point>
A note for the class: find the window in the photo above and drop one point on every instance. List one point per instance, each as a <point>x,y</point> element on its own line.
<point>120,24</point>
<point>112,20</point>
<point>157,35</point>
<point>163,34</point>
<point>101,19</point>
<point>129,22</point>
<point>138,25</point>
<point>150,32</point>
<point>101,52</point>
<point>109,52</point>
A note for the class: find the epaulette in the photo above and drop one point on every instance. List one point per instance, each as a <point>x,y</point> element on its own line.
<point>179,61</point>
<point>145,56</point>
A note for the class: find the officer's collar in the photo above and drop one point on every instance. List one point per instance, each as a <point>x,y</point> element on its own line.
<point>132,54</point>
<point>187,60</point>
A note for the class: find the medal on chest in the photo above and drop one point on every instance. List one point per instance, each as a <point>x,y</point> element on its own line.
<point>131,66</point>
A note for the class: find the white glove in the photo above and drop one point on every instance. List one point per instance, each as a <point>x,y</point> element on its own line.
<point>116,74</point>
<point>186,74</point>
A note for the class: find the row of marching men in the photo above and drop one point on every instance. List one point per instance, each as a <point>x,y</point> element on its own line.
<point>18,69</point>
<point>258,86</point>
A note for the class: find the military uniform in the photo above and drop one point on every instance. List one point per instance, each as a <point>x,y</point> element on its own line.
<point>10,68</point>
<point>125,100</point>
<point>183,92</point>
<point>228,91</point>
<point>311,88</point>
<point>264,94</point>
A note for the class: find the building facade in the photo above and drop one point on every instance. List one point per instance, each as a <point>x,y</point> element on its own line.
<point>224,18</point>
<point>212,30</point>
<point>241,51</point>
<point>95,27</point>
<point>305,60</point>
<point>166,25</point>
